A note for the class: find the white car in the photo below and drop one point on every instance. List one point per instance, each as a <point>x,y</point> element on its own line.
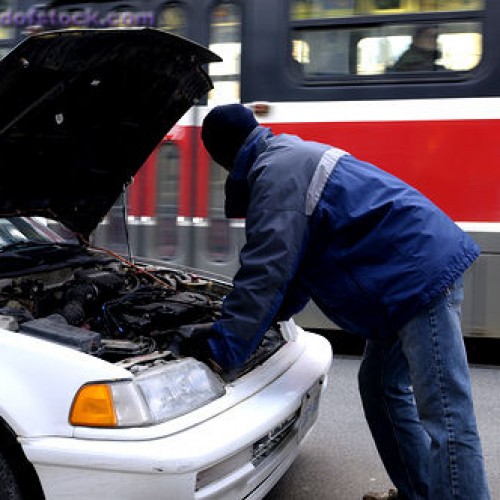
<point>96,400</point>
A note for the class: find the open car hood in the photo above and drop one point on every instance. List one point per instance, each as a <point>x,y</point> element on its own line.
<point>80,112</point>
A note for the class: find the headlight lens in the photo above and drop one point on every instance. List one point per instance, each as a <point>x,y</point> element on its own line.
<point>178,388</point>
<point>156,395</point>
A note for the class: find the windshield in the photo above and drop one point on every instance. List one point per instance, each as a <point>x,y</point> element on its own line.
<point>24,230</point>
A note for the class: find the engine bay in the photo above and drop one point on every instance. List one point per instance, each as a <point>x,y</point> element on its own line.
<point>117,310</point>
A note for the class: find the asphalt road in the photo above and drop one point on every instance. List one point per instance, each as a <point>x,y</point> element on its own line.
<point>338,460</point>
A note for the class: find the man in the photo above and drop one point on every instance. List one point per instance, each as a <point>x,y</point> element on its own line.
<point>380,260</point>
<point>423,52</point>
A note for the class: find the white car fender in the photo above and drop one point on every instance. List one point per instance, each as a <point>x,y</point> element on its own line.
<point>40,379</point>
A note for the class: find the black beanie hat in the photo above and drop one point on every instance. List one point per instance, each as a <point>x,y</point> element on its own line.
<point>224,131</point>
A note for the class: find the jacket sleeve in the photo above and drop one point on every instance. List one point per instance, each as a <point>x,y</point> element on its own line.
<point>277,230</point>
<point>295,299</point>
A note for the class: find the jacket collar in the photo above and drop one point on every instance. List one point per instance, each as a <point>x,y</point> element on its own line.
<point>236,187</point>
<point>253,146</point>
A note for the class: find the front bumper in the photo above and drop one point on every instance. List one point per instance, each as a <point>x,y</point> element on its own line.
<point>240,453</point>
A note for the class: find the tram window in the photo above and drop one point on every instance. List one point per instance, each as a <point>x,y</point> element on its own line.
<point>321,9</point>
<point>458,48</point>
<point>218,237</point>
<point>172,18</point>
<point>122,17</point>
<point>167,169</point>
<point>7,9</point>
<point>115,229</point>
<point>167,182</point>
<point>225,40</point>
<point>216,197</point>
<point>326,53</point>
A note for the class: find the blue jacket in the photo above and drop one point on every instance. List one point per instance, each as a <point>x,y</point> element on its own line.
<point>367,248</point>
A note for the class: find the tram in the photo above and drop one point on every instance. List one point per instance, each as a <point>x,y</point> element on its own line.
<point>332,71</point>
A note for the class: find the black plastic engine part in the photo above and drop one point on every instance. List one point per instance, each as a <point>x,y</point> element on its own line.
<point>106,281</point>
<point>150,309</point>
<point>117,349</point>
<point>56,329</point>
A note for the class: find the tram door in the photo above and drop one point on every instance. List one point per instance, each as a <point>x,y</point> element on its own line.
<point>174,207</point>
<point>217,240</point>
<point>188,225</point>
<point>168,242</point>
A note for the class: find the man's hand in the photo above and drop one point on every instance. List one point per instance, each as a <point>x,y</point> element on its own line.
<point>194,343</point>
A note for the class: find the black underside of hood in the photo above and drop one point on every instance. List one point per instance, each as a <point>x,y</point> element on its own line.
<point>80,112</point>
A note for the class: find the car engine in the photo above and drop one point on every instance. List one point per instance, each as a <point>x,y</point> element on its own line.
<point>116,310</point>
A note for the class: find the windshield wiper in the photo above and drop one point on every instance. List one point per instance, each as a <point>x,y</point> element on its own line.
<point>22,244</point>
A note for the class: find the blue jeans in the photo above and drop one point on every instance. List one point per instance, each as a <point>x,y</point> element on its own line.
<point>416,394</point>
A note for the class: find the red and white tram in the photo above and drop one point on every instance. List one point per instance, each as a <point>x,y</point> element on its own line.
<point>328,70</point>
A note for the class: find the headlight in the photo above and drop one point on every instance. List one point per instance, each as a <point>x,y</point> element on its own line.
<point>156,395</point>
<point>178,388</point>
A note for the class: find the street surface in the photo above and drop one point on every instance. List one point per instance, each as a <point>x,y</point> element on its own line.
<point>339,460</point>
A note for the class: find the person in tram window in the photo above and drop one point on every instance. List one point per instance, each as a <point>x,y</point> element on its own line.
<point>381,261</point>
<point>422,54</point>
